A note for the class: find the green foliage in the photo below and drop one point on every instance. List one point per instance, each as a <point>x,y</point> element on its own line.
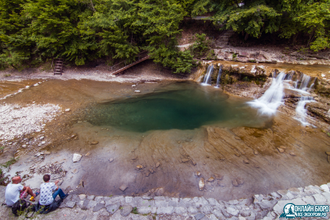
<point>200,46</point>
<point>253,19</point>
<point>36,31</point>
<point>9,162</point>
<point>134,211</point>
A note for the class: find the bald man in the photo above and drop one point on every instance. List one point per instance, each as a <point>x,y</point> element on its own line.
<point>15,189</point>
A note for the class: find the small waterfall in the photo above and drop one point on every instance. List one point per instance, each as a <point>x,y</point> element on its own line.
<point>272,99</point>
<point>301,112</point>
<point>304,82</point>
<point>207,77</point>
<point>218,78</point>
<point>289,76</point>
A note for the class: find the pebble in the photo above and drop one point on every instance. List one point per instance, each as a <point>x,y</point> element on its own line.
<point>47,152</point>
<point>184,160</point>
<point>24,145</point>
<point>94,142</point>
<point>139,167</point>
<point>137,91</point>
<point>76,157</point>
<point>328,153</point>
<point>246,161</point>
<point>211,179</point>
<point>292,154</point>
<point>237,182</point>
<point>88,153</point>
<point>198,173</point>
<point>255,152</point>
<point>111,159</point>
<point>123,187</point>
<point>67,110</point>
<point>281,150</point>
<point>157,164</point>
<point>201,184</point>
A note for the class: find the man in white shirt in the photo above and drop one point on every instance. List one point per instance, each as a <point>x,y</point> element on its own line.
<point>14,190</point>
<point>46,191</point>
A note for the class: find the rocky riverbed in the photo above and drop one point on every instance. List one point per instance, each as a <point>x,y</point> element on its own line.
<point>220,162</point>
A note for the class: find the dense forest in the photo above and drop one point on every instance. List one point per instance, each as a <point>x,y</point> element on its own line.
<point>36,31</point>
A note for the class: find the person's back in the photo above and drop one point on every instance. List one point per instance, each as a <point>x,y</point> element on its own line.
<point>12,193</point>
<point>46,193</point>
<point>47,196</point>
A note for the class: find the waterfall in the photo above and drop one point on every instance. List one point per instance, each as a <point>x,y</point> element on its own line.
<point>218,78</point>
<point>207,77</point>
<point>304,82</point>
<point>301,112</point>
<point>272,99</point>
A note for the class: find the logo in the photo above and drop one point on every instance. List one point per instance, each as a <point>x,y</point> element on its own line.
<point>291,211</point>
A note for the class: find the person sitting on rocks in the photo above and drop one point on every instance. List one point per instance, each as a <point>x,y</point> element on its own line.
<point>47,196</point>
<point>15,191</point>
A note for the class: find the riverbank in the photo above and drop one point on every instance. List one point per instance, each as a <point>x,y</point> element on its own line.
<point>266,207</point>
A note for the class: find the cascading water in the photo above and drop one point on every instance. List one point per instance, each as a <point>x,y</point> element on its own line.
<point>207,77</point>
<point>304,82</point>
<point>272,99</point>
<point>219,76</point>
<point>303,89</point>
<point>301,112</point>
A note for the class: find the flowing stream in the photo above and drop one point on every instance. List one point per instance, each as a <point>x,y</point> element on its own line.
<point>219,77</point>
<point>207,77</point>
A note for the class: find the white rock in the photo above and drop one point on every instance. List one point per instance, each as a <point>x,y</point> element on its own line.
<point>319,199</point>
<point>137,91</point>
<point>201,184</point>
<point>67,110</point>
<point>325,187</point>
<point>309,200</point>
<point>133,86</point>
<point>76,157</point>
<point>27,87</point>
<point>233,211</point>
<point>82,196</point>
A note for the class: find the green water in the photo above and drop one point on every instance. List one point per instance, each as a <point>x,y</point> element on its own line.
<point>178,106</point>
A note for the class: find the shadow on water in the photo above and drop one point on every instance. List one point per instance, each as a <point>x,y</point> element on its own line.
<point>176,106</point>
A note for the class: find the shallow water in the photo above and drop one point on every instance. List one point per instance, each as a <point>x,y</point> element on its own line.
<point>178,106</point>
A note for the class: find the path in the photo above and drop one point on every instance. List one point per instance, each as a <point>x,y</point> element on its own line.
<point>267,207</point>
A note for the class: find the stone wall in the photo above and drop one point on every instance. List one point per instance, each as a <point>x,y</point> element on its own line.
<point>265,207</point>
